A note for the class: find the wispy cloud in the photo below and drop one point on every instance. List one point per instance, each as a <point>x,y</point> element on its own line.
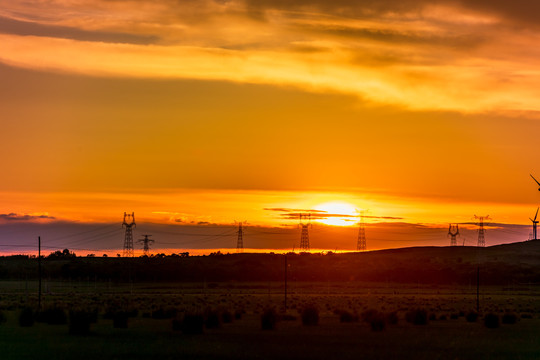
<point>294,214</point>
<point>17,27</point>
<point>416,54</point>
<point>24,217</point>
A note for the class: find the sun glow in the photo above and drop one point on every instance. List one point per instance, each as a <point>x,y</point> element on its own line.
<point>339,213</point>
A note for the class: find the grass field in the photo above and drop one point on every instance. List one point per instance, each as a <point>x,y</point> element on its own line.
<point>447,334</point>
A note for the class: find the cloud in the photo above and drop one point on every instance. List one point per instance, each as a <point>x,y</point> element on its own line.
<point>25,217</point>
<point>16,27</point>
<point>521,11</point>
<point>467,56</point>
<point>294,214</point>
<point>289,210</point>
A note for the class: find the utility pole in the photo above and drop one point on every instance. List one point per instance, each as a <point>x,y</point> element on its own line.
<point>361,243</point>
<point>478,289</point>
<point>39,273</point>
<point>285,280</point>
<point>304,238</point>
<point>481,231</point>
<point>453,231</point>
<point>129,224</point>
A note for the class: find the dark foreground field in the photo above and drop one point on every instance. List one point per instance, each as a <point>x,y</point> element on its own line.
<point>448,332</point>
<point>244,339</point>
<point>415,303</point>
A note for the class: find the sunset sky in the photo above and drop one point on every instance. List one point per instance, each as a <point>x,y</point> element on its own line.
<point>196,114</point>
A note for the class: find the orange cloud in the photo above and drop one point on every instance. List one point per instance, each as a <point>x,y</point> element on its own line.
<point>413,54</point>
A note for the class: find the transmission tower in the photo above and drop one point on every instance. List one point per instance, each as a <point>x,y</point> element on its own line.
<point>453,231</point>
<point>361,243</point>
<point>240,240</point>
<point>128,238</point>
<point>481,231</point>
<point>304,238</point>
<point>146,243</point>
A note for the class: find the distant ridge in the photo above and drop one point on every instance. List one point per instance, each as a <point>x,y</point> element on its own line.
<point>507,264</point>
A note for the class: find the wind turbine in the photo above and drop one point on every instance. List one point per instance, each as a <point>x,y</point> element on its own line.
<point>536,181</point>
<point>534,224</point>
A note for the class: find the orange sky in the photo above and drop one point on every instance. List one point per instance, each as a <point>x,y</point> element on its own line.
<point>213,111</point>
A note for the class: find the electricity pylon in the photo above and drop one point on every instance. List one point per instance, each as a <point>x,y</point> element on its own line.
<point>146,244</point>
<point>240,239</point>
<point>304,238</point>
<point>361,243</point>
<point>128,238</point>
<point>535,222</point>
<point>453,231</point>
<point>481,231</point>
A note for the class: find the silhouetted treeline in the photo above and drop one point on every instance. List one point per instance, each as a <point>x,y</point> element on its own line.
<point>502,265</point>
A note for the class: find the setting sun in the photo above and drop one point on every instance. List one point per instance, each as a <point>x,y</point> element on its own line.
<point>339,213</point>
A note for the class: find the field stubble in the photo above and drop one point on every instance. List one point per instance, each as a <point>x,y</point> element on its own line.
<point>149,336</point>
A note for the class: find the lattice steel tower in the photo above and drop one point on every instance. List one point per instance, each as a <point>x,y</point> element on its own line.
<point>361,243</point>
<point>240,240</point>
<point>453,231</point>
<point>304,238</point>
<point>146,244</point>
<point>481,231</point>
<point>128,238</point>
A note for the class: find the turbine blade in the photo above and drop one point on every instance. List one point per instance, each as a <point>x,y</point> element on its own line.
<point>535,179</point>
<point>536,213</point>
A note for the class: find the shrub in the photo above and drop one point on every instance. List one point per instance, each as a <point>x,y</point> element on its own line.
<point>377,322</point>
<point>53,316</point>
<point>392,318</point>
<point>288,317</point>
<point>26,317</point>
<point>238,314</point>
<point>213,320</point>
<point>162,313</point>
<point>368,315</point>
<point>491,321</point>
<point>177,324</point>
<point>3,317</point>
<point>417,317</point>
<point>227,317</point>
<point>472,316</point>
<point>509,318</point>
<point>310,316</point>
<point>442,317</point>
<point>268,319</point>
<point>120,320</point>
<point>109,312</point>
<point>191,324</point>
<point>79,322</point>
<point>133,312</point>
<point>526,316</point>
<point>454,316</point>
<point>93,315</point>
<point>347,317</point>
